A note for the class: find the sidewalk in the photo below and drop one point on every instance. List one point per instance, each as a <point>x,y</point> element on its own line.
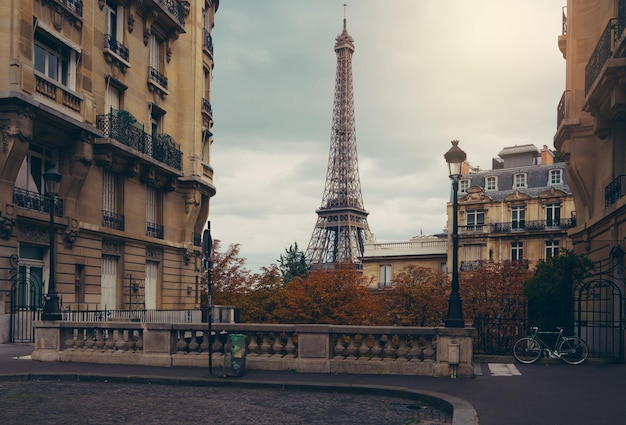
<point>544,393</point>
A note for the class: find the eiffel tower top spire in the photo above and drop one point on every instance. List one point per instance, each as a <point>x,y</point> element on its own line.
<point>341,229</point>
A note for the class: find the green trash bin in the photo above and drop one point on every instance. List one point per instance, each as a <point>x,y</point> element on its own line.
<point>237,355</point>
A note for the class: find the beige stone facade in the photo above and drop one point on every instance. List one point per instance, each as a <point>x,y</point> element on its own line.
<point>591,134</point>
<point>116,94</point>
<point>384,260</point>
<point>521,209</point>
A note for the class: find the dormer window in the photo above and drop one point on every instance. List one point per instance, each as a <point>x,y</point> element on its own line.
<point>555,177</point>
<point>519,180</point>
<point>491,183</point>
<point>463,186</point>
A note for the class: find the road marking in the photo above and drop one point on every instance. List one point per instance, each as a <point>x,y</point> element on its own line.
<point>23,358</point>
<point>503,369</point>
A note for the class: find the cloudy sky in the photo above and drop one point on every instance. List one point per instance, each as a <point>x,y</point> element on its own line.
<point>486,72</point>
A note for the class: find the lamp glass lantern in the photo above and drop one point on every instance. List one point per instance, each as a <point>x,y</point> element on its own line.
<point>52,179</point>
<point>455,158</point>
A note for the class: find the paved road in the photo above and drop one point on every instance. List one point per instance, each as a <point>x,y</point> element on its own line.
<point>542,394</point>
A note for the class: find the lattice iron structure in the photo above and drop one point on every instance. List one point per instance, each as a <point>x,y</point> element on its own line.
<point>341,229</point>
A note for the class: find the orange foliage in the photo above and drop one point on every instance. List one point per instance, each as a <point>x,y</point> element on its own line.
<point>337,296</point>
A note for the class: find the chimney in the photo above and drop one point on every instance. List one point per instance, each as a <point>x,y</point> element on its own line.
<point>547,157</point>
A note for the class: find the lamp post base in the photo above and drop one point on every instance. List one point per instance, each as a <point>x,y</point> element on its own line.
<point>52,308</point>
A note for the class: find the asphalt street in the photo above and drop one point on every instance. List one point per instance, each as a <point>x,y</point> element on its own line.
<point>502,392</point>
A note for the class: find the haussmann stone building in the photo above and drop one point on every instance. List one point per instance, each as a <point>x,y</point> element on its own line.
<point>116,95</point>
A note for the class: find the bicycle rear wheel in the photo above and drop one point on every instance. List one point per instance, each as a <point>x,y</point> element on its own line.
<point>573,350</point>
<point>526,350</point>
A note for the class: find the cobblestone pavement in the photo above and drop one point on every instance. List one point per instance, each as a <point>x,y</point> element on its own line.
<point>67,402</point>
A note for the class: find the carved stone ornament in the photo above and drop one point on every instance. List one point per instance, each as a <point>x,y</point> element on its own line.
<point>6,227</point>
<point>154,253</point>
<point>112,247</point>
<point>71,233</point>
<point>33,234</point>
<point>131,22</point>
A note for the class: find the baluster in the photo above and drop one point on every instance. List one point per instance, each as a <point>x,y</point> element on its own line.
<point>69,343</point>
<point>402,353</point>
<point>181,344</point>
<point>138,338</point>
<point>193,343</point>
<point>365,350</point>
<point>265,345</point>
<point>389,348</point>
<point>277,347</point>
<point>91,339</point>
<point>109,342</point>
<point>351,350</point>
<point>79,343</point>
<point>290,347</point>
<point>339,347</point>
<point>416,349</point>
<point>253,346</point>
<point>429,351</point>
<point>119,339</point>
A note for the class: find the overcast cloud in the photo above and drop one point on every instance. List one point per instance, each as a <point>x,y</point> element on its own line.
<point>486,72</point>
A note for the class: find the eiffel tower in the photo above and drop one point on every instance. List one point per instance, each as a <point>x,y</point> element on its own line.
<point>341,229</point>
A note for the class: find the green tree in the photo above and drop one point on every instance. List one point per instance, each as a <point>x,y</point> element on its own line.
<point>293,264</point>
<point>550,290</point>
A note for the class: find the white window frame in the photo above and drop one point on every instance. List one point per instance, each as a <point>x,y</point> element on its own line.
<point>518,217</point>
<point>491,183</point>
<point>35,163</point>
<point>552,249</point>
<point>553,215</point>
<point>475,217</point>
<point>151,284</point>
<point>114,20</point>
<point>108,282</point>
<point>519,180</point>
<point>464,184</point>
<point>110,192</point>
<point>384,276</point>
<point>555,177</point>
<point>63,72</point>
<point>517,251</point>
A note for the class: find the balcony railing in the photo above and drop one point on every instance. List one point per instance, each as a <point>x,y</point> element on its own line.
<point>560,110</point>
<point>534,225</point>
<point>206,107</point>
<point>601,54</point>
<point>615,190</point>
<point>175,9</point>
<point>154,230</point>
<point>123,127</point>
<point>75,6</point>
<point>207,41</point>
<point>36,202</point>
<point>155,76</point>
<point>112,220</point>
<point>50,90</point>
<point>116,47</point>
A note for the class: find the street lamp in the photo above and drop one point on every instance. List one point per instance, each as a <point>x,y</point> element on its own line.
<point>52,305</point>
<point>455,158</point>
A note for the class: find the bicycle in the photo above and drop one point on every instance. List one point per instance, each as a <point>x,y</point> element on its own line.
<point>570,349</point>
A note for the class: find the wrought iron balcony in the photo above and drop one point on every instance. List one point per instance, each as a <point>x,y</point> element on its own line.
<point>615,190</point>
<point>560,110</point>
<point>120,125</point>
<point>207,108</point>
<point>112,220</point>
<point>35,201</point>
<point>534,225</point>
<point>116,47</point>
<point>175,9</point>
<point>75,6</point>
<point>601,54</point>
<point>155,76</point>
<point>154,230</point>
<point>207,41</point>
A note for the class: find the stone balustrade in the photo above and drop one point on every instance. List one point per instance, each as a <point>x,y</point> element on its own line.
<point>300,348</point>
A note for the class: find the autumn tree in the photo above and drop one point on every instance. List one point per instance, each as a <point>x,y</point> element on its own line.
<point>418,297</point>
<point>231,279</point>
<point>495,291</point>
<point>261,303</point>
<point>293,264</point>
<point>550,290</point>
<point>336,296</point>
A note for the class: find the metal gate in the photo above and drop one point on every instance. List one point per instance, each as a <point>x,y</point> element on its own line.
<point>26,297</point>
<point>598,308</point>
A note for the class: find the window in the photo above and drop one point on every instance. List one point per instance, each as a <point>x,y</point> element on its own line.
<point>156,62</point>
<point>384,280</point>
<point>30,175</point>
<point>555,177</point>
<point>519,180</point>
<point>114,20</point>
<point>30,283</point>
<point>518,218</point>
<point>475,219</point>
<point>108,285</point>
<point>154,228</point>
<point>112,201</point>
<point>55,60</point>
<point>553,215</point>
<point>491,183</point>
<point>517,251</point>
<point>206,146</point>
<point>471,256</point>
<point>552,249</point>
<point>464,185</point>
<point>151,285</point>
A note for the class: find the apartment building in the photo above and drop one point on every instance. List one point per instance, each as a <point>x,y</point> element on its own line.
<point>591,134</point>
<point>115,94</point>
<point>519,210</point>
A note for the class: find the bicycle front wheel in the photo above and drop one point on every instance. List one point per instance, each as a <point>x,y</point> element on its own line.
<point>526,350</point>
<point>573,350</point>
